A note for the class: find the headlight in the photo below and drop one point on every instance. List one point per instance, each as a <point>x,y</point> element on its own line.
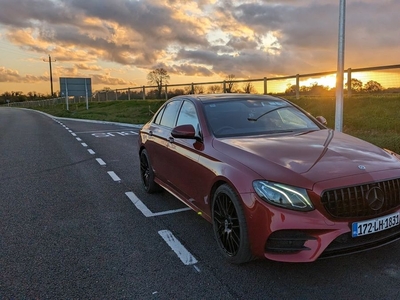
<point>283,195</point>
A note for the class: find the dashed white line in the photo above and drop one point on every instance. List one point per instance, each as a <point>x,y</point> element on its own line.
<point>114,176</point>
<point>84,144</point>
<point>79,139</point>
<point>184,255</point>
<point>91,151</point>
<point>101,162</point>
<point>73,134</point>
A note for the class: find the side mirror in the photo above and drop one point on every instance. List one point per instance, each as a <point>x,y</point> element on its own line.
<point>184,132</point>
<point>322,120</point>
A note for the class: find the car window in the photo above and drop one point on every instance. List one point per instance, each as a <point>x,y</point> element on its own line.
<point>159,115</point>
<point>169,116</point>
<point>255,117</point>
<point>188,115</point>
<point>293,118</point>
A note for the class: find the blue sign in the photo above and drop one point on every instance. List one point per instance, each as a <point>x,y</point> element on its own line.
<point>80,87</point>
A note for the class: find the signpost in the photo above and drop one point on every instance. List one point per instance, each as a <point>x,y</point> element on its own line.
<point>340,69</point>
<point>79,87</point>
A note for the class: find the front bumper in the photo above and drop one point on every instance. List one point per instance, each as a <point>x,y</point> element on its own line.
<point>292,236</point>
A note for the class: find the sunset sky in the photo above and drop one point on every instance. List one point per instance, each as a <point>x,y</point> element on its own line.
<point>117,42</point>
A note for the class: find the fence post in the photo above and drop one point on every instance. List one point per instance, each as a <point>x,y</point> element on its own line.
<point>144,93</point>
<point>116,95</point>
<point>349,87</point>
<point>224,86</point>
<point>265,85</point>
<point>106,95</point>
<point>129,94</point>
<point>166,92</point>
<point>192,88</point>
<point>297,86</point>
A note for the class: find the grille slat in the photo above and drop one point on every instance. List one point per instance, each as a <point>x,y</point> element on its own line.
<point>350,202</point>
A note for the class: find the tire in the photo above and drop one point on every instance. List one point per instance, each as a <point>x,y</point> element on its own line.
<point>229,224</point>
<point>147,174</point>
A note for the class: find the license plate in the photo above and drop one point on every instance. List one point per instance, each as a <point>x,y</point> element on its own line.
<point>375,225</point>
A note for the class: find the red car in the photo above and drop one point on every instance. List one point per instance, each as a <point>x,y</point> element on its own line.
<point>274,181</point>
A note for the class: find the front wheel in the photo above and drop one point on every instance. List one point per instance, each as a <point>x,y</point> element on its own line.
<point>229,224</point>
<point>147,174</point>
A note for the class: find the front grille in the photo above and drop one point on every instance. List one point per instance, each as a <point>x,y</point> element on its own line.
<point>351,202</point>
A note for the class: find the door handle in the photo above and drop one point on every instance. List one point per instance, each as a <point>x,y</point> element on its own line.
<point>171,139</point>
<point>150,133</point>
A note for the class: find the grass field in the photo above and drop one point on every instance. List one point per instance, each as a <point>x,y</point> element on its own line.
<point>375,118</point>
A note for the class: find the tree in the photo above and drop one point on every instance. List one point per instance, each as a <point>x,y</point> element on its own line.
<point>214,89</point>
<point>158,77</point>
<point>356,85</point>
<point>291,89</point>
<point>248,88</point>
<point>373,86</point>
<point>229,83</point>
<point>199,89</point>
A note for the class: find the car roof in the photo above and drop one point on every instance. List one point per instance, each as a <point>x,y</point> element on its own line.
<point>230,96</point>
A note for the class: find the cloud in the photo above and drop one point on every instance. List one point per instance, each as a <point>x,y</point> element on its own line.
<point>7,75</point>
<point>108,80</point>
<point>248,38</point>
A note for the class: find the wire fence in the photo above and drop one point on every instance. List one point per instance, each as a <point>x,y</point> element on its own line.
<point>372,114</point>
<point>381,79</point>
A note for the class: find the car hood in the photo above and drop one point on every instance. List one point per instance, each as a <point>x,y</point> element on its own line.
<point>316,156</point>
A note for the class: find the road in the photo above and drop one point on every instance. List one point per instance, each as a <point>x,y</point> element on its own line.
<point>75,223</point>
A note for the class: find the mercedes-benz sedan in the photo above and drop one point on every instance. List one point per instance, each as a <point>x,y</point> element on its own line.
<point>274,181</point>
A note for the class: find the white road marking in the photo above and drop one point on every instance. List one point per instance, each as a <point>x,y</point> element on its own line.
<point>84,144</point>
<point>167,212</point>
<point>139,204</point>
<point>91,151</point>
<point>108,134</point>
<point>101,162</point>
<point>147,212</point>
<point>196,268</point>
<point>114,176</point>
<point>79,139</point>
<point>73,134</point>
<point>185,256</point>
<point>70,130</point>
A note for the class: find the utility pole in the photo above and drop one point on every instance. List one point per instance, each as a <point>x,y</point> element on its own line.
<point>51,74</point>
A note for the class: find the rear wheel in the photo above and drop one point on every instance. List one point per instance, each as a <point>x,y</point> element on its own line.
<point>147,174</point>
<point>229,225</point>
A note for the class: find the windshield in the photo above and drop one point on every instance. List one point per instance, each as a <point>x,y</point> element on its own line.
<point>255,117</point>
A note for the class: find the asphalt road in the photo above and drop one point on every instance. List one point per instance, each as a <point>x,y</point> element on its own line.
<point>75,223</point>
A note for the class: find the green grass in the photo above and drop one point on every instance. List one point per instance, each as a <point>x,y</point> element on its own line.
<point>134,111</point>
<point>375,118</point>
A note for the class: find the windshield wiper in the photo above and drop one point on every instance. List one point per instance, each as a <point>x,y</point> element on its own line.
<point>278,131</point>
<point>267,112</point>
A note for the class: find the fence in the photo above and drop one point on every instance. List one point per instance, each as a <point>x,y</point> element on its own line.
<point>361,80</point>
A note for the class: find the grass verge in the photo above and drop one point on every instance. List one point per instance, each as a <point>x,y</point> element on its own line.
<point>375,118</point>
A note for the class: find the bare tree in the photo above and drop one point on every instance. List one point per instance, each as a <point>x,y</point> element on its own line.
<point>158,77</point>
<point>229,83</point>
<point>214,89</point>
<point>248,88</point>
<point>199,89</point>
